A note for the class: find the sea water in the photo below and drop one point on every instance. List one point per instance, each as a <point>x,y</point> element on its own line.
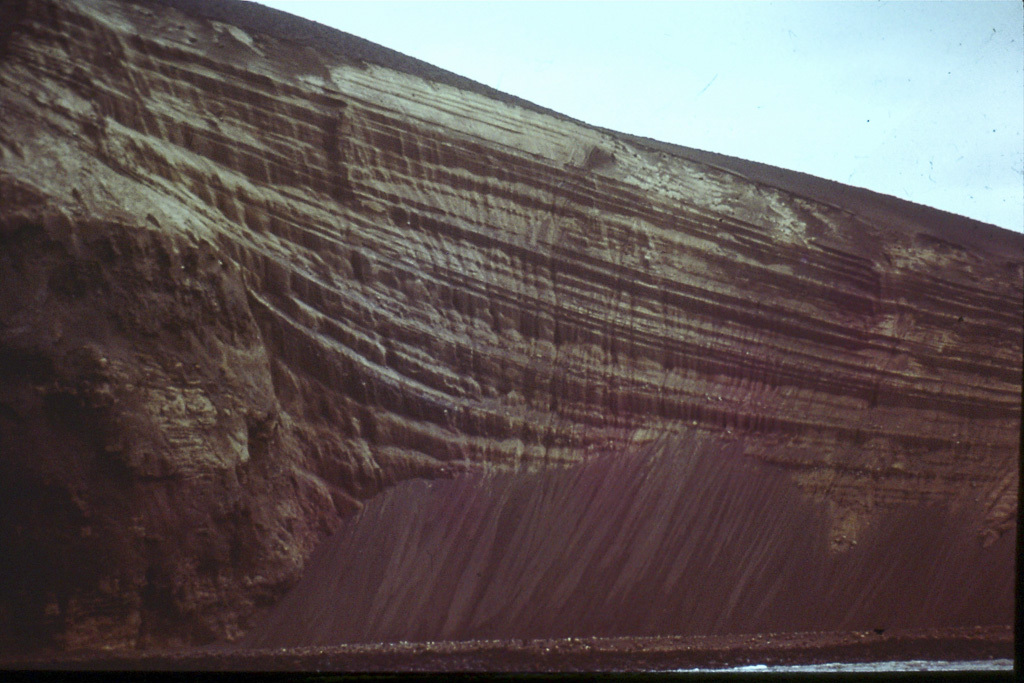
<point>870,667</point>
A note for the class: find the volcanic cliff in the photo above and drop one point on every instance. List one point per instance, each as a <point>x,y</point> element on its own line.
<point>254,271</point>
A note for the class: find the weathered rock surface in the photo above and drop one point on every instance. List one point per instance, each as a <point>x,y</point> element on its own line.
<point>253,271</point>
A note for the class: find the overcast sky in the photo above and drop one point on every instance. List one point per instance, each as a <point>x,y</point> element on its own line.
<point>920,100</point>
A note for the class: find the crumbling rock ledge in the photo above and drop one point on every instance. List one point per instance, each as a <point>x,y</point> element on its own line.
<point>254,272</point>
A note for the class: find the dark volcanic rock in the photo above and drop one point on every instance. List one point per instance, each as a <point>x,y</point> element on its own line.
<point>254,271</point>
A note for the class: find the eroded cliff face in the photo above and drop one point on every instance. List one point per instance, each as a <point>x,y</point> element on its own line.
<point>253,272</point>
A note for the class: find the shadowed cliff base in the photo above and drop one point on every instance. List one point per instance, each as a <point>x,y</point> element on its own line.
<point>685,538</point>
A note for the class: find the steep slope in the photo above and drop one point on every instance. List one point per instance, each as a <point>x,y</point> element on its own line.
<point>687,538</point>
<point>253,271</point>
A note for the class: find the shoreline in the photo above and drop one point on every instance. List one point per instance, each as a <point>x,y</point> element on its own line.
<point>619,654</point>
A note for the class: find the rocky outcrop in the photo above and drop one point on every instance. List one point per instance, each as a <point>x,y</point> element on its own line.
<point>254,271</point>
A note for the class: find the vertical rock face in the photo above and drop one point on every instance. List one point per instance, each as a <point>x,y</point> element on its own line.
<point>253,271</point>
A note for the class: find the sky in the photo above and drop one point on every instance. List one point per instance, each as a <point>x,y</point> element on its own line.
<point>920,100</point>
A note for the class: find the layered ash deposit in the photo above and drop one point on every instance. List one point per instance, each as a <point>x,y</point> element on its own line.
<point>254,272</point>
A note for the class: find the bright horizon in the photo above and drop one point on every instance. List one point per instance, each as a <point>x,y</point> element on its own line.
<point>919,100</point>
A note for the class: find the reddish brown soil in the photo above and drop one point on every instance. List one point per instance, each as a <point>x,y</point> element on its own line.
<point>688,538</point>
